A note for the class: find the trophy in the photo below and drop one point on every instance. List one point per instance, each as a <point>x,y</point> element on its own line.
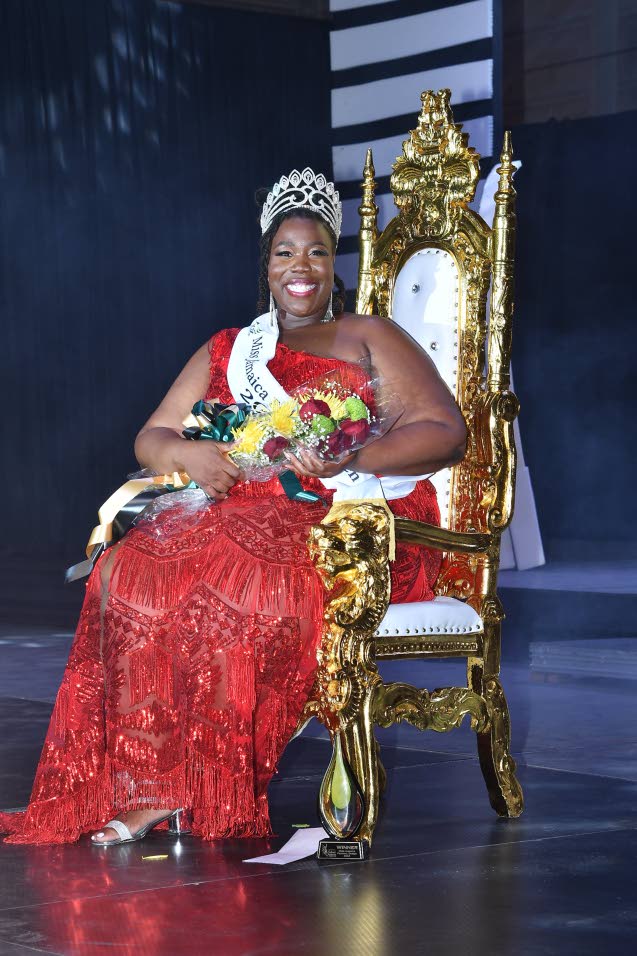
<point>341,809</point>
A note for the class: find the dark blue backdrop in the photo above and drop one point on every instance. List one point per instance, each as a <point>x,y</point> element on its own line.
<point>133,134</point>
<point>574,340</point>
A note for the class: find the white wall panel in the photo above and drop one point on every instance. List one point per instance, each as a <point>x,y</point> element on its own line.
<point>351,218</point>
<point>407,36</point>
<point>347,269</point>
<point>398,95</point>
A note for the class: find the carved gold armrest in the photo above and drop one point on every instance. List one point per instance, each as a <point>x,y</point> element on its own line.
<point>431,536</point>
<point>495,450</point>
<point>351,555</point>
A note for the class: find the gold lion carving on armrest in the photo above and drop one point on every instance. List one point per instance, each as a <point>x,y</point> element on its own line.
<point>351,555</point>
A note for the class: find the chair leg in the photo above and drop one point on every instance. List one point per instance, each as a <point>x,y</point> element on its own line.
<point>496,762</point>
<point>382,773</point>
<point>361,749</point>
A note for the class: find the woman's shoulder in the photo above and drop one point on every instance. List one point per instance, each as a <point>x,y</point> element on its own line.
<point>367,329</point>
<point>380,338</point>
<point>224,334</point>
<point>221,340</point>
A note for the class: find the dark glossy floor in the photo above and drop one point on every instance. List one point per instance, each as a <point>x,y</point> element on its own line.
<point>445,876</point>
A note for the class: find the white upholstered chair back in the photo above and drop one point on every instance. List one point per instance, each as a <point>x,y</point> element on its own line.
<point>425,304</point>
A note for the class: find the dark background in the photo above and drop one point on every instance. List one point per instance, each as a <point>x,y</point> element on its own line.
<point>569,91</point>
<point>133,134</point>
<point>574,331</point>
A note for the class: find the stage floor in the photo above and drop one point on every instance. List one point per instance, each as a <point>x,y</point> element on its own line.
<point>445,875</point>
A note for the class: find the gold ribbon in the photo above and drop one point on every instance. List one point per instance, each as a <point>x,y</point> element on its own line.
<point>103,532</point>
<point>341,509</point>
<point>196,421</point>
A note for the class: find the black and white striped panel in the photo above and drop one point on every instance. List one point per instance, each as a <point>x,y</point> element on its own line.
<point>384,53</point>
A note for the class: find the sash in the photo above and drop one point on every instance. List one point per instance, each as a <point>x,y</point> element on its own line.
<point>249,378</point>
<point>251,381</point>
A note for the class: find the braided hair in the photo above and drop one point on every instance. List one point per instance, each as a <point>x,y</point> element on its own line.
<point>263,301</point>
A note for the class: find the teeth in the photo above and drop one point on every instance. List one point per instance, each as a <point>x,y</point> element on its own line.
<point>301,286</point>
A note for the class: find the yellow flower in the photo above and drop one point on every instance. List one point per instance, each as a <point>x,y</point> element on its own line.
<point>284,417</point>
<point>336,404</point>
<point>249,436</point>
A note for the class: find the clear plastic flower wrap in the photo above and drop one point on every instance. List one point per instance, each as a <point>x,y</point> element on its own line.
<point>174,512</point>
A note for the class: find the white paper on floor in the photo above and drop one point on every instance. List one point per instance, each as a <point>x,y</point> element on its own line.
<point>301,844</point>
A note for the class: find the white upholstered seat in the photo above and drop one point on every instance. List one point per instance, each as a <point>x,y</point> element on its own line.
<point>443,615</point>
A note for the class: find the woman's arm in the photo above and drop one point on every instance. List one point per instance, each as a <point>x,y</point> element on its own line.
<point>418,448</point>
<point>430,433</point>
<point>160,444</point>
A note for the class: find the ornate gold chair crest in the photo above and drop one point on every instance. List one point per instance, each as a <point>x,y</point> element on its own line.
<point>430,270</point>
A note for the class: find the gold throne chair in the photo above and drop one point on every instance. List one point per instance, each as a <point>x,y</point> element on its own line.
<point>431,270</point>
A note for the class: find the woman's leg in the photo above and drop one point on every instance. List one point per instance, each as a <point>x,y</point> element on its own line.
<point>249,630</point>
<point>143,701</point>
<point>133,819</point>
<point>193,658</point>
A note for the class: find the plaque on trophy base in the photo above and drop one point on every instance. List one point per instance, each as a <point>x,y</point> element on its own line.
<point>341,808</point>
<point>333,850</point>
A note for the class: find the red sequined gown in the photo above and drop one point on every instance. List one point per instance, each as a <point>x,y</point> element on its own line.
<point>184,689</point>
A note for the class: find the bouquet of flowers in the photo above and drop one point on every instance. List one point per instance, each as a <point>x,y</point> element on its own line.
<point>325,415</point>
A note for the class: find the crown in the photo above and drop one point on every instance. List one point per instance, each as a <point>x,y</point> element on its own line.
<point>306,190</point>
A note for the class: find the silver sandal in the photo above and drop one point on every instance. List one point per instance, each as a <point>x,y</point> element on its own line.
<point>125,836</point>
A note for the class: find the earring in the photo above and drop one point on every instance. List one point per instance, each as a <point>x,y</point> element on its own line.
<point>329,315</point>
<point>273,312</point>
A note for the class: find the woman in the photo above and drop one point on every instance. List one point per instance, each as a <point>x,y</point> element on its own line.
<point>196,647</point>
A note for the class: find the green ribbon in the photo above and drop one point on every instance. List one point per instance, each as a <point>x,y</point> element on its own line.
<point>221,419</point>
<point>293,488</point>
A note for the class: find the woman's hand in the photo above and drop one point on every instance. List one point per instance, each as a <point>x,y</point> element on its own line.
<point>207,463</point>
<point>310,465</point>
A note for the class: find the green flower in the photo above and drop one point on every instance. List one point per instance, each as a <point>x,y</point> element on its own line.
<point>322,425</point>
<point>356,408</point>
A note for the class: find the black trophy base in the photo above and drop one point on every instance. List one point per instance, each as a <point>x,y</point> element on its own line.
<point>331,850</point>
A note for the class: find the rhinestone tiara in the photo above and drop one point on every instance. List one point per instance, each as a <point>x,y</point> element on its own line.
<point>306,190</point>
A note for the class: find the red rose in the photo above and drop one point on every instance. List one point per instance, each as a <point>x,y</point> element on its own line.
<point>337,443</point>
<point>274,447</point>
<point>313,407</point>
<point>357,431</point>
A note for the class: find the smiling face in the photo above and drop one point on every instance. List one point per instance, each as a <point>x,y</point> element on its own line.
<point>301,270</point>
